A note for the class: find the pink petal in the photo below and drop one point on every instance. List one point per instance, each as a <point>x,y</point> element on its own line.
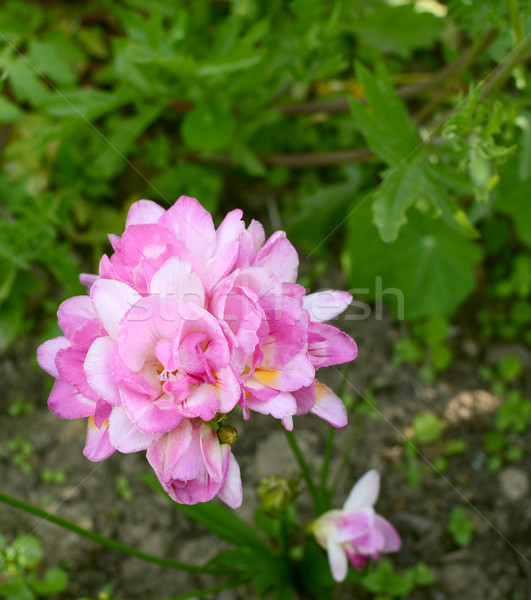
<point>123,434</point>
<point>279,256</point>
<point>177,280</point>
<point>327,345</point>
<point>97,447</point>
<point>231,490</point>
<point>354,525</point>
<point>69,363</point>
<point>150,320</point>
<point>230,228</point>
<point>305,398</point>
<point>98,369</point>
<point>365,492</point>
<point>73,313</point>
<point>292,376</point>
<point>337,559</point>
<point>202,402</point>
<point>112,300</point>
<point>47,352</point>
<point>87,279</point>
<point>393,543</point>
<point>328,406</point>
<point>287,423</point>
<point>166,452</point>
<point>281,406</point>
<point>193,225</point>
<point>66,402</point>
<point>148,414</point>
<point>144,212</point>
<point>327,304</point>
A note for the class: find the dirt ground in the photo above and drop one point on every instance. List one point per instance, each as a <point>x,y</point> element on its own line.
<point>494,566</point>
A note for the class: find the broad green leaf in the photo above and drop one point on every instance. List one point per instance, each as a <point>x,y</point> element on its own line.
<point>9,112</point>
<point>511,196</point>
<point>399,29</point>
<point>54,581</point>
<point>207,127</point>
<point>428,270</point>
<point>29,550</point>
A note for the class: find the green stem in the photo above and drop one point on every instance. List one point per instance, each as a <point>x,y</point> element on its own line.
<point>326,463</point>
<point>516,23</point>
<point>165,562</point>
<point>346,454</point>
<point>497,78</point>
<point>304,467</point>
<point>215,588</point>
<point>330,446</point>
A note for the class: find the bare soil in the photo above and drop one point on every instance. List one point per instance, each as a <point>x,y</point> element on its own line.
<point>495,566</point>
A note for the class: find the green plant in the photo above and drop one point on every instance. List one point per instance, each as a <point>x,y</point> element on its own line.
<point>20,452</point>
<point>20,577</point>
<point>386,583</point>
<point>460,526</point>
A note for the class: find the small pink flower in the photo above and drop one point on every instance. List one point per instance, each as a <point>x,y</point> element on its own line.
<point>356,532</point>
<point>184,322</point>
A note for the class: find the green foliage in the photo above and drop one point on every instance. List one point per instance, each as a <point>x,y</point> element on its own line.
<point>20,452</point>
<point>460,527</point>
<point>123,488</point>
<point>20,577</point>
<point>103,103</point>
<point>387,583</point>
<point>428,427</point>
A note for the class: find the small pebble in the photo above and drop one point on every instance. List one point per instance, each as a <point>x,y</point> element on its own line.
<point>514,483</point>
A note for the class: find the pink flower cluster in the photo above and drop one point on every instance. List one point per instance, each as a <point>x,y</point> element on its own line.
<point>183,323</point>
<point>356,532</point>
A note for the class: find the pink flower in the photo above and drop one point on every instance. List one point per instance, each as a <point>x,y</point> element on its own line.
<point>193,467</point>
<point>185,322</point>
<point>356,532</point>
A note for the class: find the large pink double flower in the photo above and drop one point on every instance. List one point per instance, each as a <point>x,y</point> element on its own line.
<point>183,323</point>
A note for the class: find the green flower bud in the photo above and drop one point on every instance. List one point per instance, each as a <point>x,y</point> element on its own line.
<point>227,434</point>
<point>274,494</point>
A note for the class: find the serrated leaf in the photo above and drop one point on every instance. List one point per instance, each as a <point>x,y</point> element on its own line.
<point>428,270</point>
<point>385,122</point>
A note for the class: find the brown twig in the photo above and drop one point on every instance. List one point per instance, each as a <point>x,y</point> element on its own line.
<point>293,161</point>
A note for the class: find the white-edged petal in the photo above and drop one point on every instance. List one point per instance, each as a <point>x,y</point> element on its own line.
<point>364,493</point>
<point>98,370</point>
<point>144,212</point>
<point>337,559</point>
<point>326,304</point>
<point>176,279</point>
<point>112,299</point>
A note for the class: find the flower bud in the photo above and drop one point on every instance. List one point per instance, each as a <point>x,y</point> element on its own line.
<point>227,434</point>
<point>274,494</point>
